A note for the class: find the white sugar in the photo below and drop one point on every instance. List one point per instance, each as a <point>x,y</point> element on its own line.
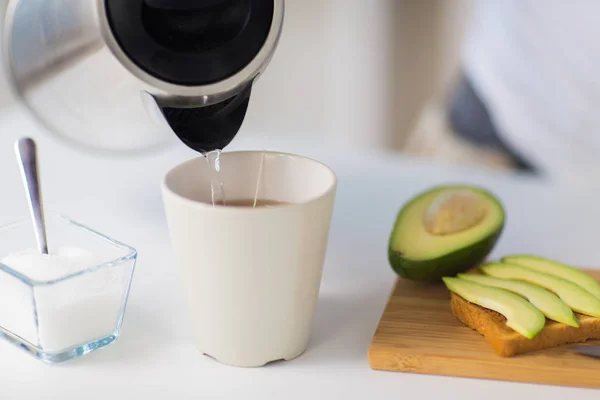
<point>73,312</point>
<point>62,261</point>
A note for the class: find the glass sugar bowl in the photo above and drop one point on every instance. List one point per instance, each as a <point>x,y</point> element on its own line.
<point>70,302</point>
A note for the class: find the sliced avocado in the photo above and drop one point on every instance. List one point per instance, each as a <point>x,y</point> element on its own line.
<point>443,231</point>
<point>579,299</point>
<point>549,304</point>
<point>564,271</point>
<point>520,314</point>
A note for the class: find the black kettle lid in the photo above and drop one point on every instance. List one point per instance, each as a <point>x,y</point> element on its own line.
<point>190,42</point>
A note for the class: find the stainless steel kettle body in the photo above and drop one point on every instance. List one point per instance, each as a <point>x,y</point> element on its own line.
<point>124,75</point>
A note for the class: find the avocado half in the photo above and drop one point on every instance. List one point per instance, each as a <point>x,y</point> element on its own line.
<point>444,231</point>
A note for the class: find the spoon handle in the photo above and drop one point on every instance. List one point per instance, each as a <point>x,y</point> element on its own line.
<point>26,154</point>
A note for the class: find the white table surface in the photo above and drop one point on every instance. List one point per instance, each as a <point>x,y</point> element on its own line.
<point>155,358</point>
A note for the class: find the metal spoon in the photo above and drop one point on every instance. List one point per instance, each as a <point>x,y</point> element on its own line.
<point>27,156</point>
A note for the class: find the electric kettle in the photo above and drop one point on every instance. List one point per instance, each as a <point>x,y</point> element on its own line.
<point>124,75</point>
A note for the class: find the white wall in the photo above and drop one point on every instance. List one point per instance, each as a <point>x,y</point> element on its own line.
<point>359,71</point>
<point>288,97</point>
<point>429,35</point>
<point>330,78</point>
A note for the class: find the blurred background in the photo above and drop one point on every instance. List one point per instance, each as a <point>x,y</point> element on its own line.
<point>354,72</point>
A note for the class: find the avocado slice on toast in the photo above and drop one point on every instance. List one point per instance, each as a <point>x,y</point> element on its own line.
<point>549,304</point>
<point>575,275</point>
<point>579,299</point>
<point>521,315</point>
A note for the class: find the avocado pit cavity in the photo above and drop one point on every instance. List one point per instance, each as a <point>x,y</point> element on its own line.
<point>453,212</point>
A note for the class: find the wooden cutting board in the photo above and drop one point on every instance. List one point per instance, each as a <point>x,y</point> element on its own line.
<point>417,333</point>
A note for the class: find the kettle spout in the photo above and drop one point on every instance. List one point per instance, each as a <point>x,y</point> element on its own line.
<point>203,128</point>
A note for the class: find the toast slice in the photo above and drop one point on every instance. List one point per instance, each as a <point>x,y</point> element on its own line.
<point>506,342</point>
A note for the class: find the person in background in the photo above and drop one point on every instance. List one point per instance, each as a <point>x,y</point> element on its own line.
<point>528,97</point>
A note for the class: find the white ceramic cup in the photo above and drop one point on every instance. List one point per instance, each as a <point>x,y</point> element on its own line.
<point>251,276</point>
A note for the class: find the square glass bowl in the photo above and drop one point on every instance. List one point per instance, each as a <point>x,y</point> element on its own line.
<point>72,315</point>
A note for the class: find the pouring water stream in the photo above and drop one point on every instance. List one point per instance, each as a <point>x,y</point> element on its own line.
<point>259,178</point>
<point>213,159</point>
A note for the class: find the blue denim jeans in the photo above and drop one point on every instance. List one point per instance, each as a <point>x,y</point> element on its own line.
<point>470,119</point>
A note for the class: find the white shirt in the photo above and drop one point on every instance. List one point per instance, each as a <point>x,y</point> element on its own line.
<point>536,64</point>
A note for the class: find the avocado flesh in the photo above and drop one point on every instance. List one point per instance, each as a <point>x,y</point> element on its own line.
<point>563,271</point>
<point>414,252</point>
<point>520,315</point>
<point>579,299</point>
<point>549,304</point>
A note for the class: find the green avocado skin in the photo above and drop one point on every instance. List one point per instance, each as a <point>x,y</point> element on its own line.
<point>446,265</point>
<point>449,264</point>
